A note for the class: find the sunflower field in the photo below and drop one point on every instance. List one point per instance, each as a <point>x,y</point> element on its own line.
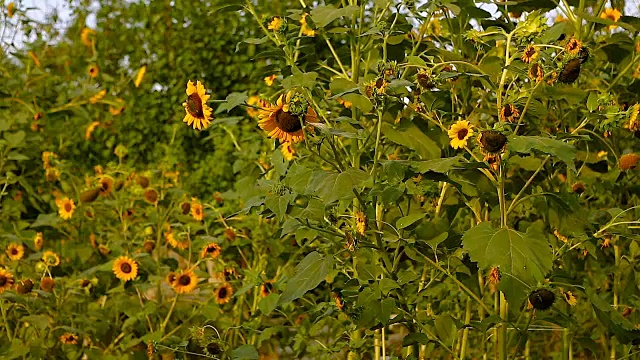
<point>334,179</point>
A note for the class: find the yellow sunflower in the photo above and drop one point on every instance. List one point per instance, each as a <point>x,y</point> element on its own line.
<point>171,239</point>
<point>270,79</point>
<point>198,112</point>
<point>185,282</point>
<point>304,27</point>
<point>6,280</point>
<point>50,258</point>
<point>38,241</point>
<point>530,53</point>
<point>266,288</point>
<point>281,124</point>
<point>140,75</point>
<point>573,46</point>
<point>287,151</point>
<point>275,24</point>
<point>125,268</point>
<point>93,70</point>
<point>570,298</point>
<point>69,339</point>
<point>15,251</point>
<point>633,124</point>
<point>211,249</point>
<point>66,208</point>
<point>509,113</point>
<point>224,293</point>
<point>361,222</point>
<point>611,14</point>
<point>86,36</point>
<point>459,133</point>
<point>197,211</point>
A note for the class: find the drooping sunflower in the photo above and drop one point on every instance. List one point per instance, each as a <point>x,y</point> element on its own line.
<point>50,258</point>
<point>611,14</point>
<point>492,142</point>
<point>47,284</point>
<point>541,299</point>
<point>6,280</point>
<point>86,36</point>
<point>106,185</point>
<point>571,71</point>
<point>185,282</point>
<point>509,113</point>
<point>280,122</point>
<point>266,288</point>
<point>224,293</point>
<point>211,249</point>
<point>288,152</point>
<point>529,54</point>
<point>459,133</point>
<point>38,241</point>
<point>171,239</point>
<point>425,80</point>
<point>569,298</point>
<point>304,27</point>
<point>197,211</point>
<point>198,113</point>
<point>149,246</point>
<point>98,96</point>
<point>69,339</point>
<point>93,70</point>
<point>536,72</point>
<point>361,223</point>
<point>151,196</point>
<point>125,268</point>
<point>24,286</point>
<point>66,208</point>
<point>573,46</point>
<point>15,251</point>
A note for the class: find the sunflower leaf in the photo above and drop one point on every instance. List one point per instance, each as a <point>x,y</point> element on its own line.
<point>443,165</point>
<point>232,100</point>
<point>324,15</point>
<point>563,151</point>
<point>309,273</point>
<point>244,352</point>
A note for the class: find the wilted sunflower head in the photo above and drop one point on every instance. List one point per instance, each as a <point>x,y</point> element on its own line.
<point>628,161</point>
<point>509,113</point>
<point>570,71</point>
<point>492,141</point>
<point>529,54</point>
<point>198,113</point>
<point>47,284</point>
<point>151,196</point>
<point>106,185</point>
<point>69,339</point>
<point>266,288</point>
<point>536,72</point>
<point>425,80</point>
<point>211,250</point>
<point>541,299</point>
<point>573,46</point>
<point>90,195</point>
<point>24,286</point>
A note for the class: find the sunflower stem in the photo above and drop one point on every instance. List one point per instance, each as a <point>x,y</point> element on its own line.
<point>507,62</point>
<point>163,326</point>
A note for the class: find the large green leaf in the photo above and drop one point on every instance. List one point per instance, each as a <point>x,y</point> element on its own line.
<point>232,100</point>
<point>443,165</point>
<point>523,259</point>
<point>245,352</point>
<point>561,150</point>
<point>323,15</point>
<point>623,329</point>
<point>411,136</point>
<point>335,186</point>
<point>311,271</point>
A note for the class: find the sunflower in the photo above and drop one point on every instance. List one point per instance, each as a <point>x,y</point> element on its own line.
<point>197,211</point>
<point>125,268</point>
<point>361,222</point>
<point>509,113</point>
<point>339,302</point>
<point>171,278</point>
<point>613,15</point>
<point>266,288</point>
<point>223,294</point>
<point>93,70</point>
<point>252,102</point>
<point>560,237</point>
<point>104,250</point>
<point>86,36</point>
<point>90,129</point>
<point>628,161</point>
<point>106,185</point>
<point>425,80</point>
<point>52,174</point>
<point>536,72</point>
<point>15,251</point>
<point>492,142</point>
<point>69,339</point>
<point>140,75</point>
<point>230,273</point>
<point>151,196</point>
<point>573,46</point>
<point>50,258</point>
<point>211,249</point>
<point>24,286</point>
<point>633,124</point>
<point>345,103</point>
<point>47,156</point>
<point>171,239</point>
<point>98,96</point>
<point>198,113</point>
<point>66,208</point>
<point>47,284</point>
<point>569,298</point>
<point>541,299</point>
<point>116,110</point>
<point>281,123</point>
<point>185,282</point>
<point>578,188</point>
<point>304,27</point>
<point>287,151</point>
<point>38,241</point>
<point>6,280</point>
<point>149,246</point>
<point>275,24</point>
<point>530,54</point>
<point>186,208</point>
<point>230,234</point>
<point>459,133</point>
<point>269,80</point>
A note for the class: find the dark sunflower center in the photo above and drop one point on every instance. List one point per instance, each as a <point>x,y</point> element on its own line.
<point>268,287</point>
<point>3,280</point>
<point>197,210</point>
<point>126,268</point>
<point>211,249</point>
<point>14,251</point>
<point>194,106</point>
<point>105,186</point>
<point>222,293</point>
<point>507,111</point>
<point>530,52</point>
<point>462,133</point>
<point>186,207</point>
<point>288,122</point>
<point>493,141</point>
<point>67,207</point>
<point>184,280</point>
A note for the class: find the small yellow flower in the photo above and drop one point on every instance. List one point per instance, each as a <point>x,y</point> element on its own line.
<point>197,211</point>
<point>69,339</point>
<point>125,268</point>
<point>11,9</point>
<point>304,27</point>
<point>361,223</point>
<point>38,241</point>
<point>633,118</point>
<point>98,96</point>
<point>198,113</point>
<point>345,103</point>
<point>50,258</point>
<point>459,133</point>
<point>275,24</point>
<point>66,208</point>
<point>530,54</point>
<point>287,151</point>
<point>270,79</point>
<point>140,75</point>
<point>87,36</point>
<point>116,110</point>
<point>611,14</point>
<point>570,298</point>
<point>90,129</point>
<point>93,70</point>
<point>15,251</point>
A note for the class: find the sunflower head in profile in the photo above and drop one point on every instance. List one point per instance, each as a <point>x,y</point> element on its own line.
<point>573,46</point>
<point>459,133</point>
<point>69,339</point>
<point>15,251</point>
<point>425,80</point>
<point>224,293</point>
<point>492,142</point>
<point>24,286</point>
<point>529,54</point>
<point>185,282</point>
<point>569,297</point>
<point>125,268</point>
<point>284,120</point>
<point>66,207</point>
<point>38,241</point>
<point>50,258</point>
<point>93,70</point>
<point>106,185</point>
<point>210,250</point>
<point>198,113</point>
<point>174,242</point>
<point>197,210</point>
<point>266,288</point>
<point>6,280</point>
<point>361,223</point>
<point>47,284</point>
<point>288,152</point>
<point>570,71</point>
<point>87,36</point>
<point>541,299</point>
<point>536,72</point>
<point>509,113</point>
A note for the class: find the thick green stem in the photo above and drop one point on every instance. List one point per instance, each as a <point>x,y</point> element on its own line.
<point>502,332</point>
<point>465,332</point>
